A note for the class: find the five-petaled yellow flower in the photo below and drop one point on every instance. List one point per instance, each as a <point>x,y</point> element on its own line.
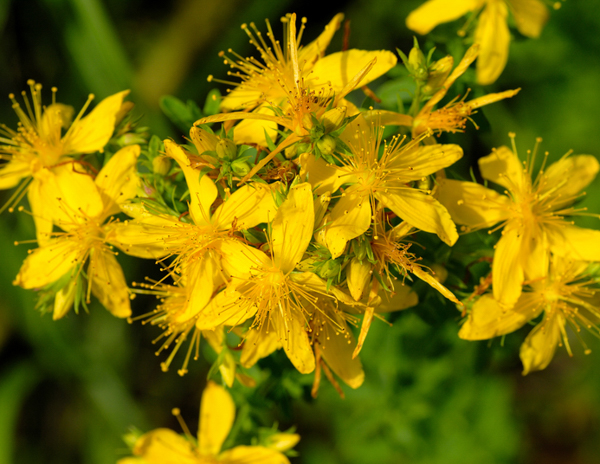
<point>86,236</point>
<point>532,213</point>
<point>492,32</point>
<point>217,412</point>
<point>39,152</point>
<point>565,298</point>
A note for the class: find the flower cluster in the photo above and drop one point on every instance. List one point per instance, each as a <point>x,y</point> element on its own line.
<point>291,216</point>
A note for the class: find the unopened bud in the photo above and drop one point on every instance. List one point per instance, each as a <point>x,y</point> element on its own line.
<point>283,441</point>
<point>417,64</point>
<point>326,145</point>
<point>438,73</point>
<point>161,165</point>
<point>240,167</point>
<point>302,148</point>
<point>329,269</point>
<point>307,121</point>
<point>290,152</point>
<point>334,118</point>
<point>226,149</point>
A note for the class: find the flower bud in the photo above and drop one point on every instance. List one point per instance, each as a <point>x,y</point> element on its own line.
<point>302,148</point>
<point>161,165</point>
<point>417,64</point>
<point>290,152</point>
<point>326,144</point>
<point>334,118</point>
<point>283,441</point>
<point>307,121</point>
<point>226,149</point>
<point>329,269</point>
<point>438,73</point>
<point>240,167</point>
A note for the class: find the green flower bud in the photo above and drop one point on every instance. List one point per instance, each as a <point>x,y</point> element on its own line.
<point>161,165</point>
<point>438,73</point>
<point>326,144</point>
<point>329,269</point>
<point>417,63</point>
<point>240,167</point>
<point>290,152</point>
<point>226,149</point>
<point>302,148</point>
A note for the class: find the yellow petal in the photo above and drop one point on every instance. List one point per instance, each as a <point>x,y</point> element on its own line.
<point>538,348</point>
<point>535,253</point>
<point>55,118</point>
<point>358,276</point>
<point>163,446</point>
<point>350,218</point>
<point>250,205</point>
<point>294,339</point>
<point>42,215</point>
<point>91,133</point>
<point>574,242</point>
<point>337,349</point>
<point>252,131</point>
<point>434,12</point>
<point>200,288</point>
<point>12,172</point>
<point>203,140</point>
<point>490,319</point>
<point>240,260</point>
<point>567,177</point>
<point>425,160</point>
<point>472,204</point>
<point>339,68</point>
<point>420,210</point>
<point>203,191</point>
<point>118,180</point>
<point>504,168</point>
<point>530,16</point>
<point>108,283</point>
<point>217,412</point>
<point>493,36</point>
<point>147,236</point>
<point>431,280</point>
<point>292,227</point>
<point>251,455</point>
<point>323,177</point>
<point>403,297</point>
<point>224,309</point>
<point>258,343</point>
<point>79,196</point>
<point>49,263</point>
<point>316,49</point>
<point>507,268</point>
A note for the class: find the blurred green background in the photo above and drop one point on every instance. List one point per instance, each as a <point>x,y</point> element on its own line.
<point>70,389</point>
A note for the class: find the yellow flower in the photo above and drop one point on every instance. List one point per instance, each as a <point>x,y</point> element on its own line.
<point>295,83</point>
<point>492,32</point>
<point>450,118</point>
<point>388,179</point>
<point>563,296</point>
<point>532,214</point>
<point>197,247</point>
<point>39,150</point>
<point>85,236</point>
<point>217,413</point>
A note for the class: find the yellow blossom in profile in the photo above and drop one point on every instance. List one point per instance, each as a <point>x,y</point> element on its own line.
<point>85,237</point>
<point>39,152</point>
<point>565,298</point>
<point>217,413</point>
<point>453,116</point>
<point>531,213</point>
<point>491,33</point>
